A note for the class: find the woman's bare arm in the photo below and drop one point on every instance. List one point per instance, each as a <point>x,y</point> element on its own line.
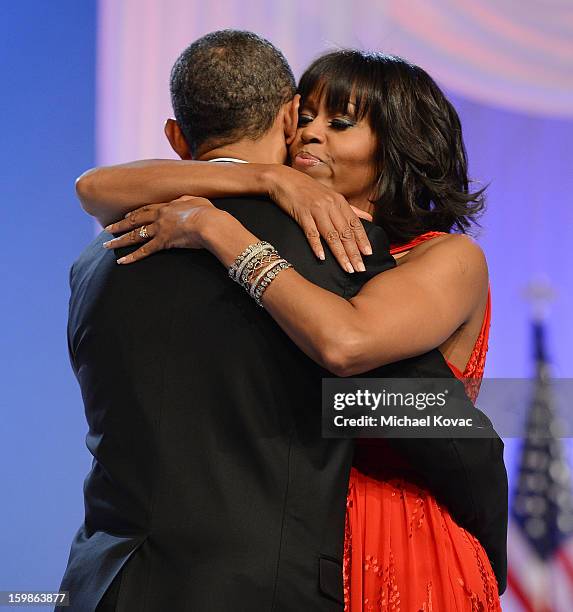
<point>405,311</point>
<point>109,192</point>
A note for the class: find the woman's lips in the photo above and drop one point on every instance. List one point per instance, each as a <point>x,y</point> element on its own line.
<point>306,160</point>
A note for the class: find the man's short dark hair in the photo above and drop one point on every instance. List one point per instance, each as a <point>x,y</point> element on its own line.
<point>229,85</point>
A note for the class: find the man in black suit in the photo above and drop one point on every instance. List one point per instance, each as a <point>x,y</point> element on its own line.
<point>211,487</point>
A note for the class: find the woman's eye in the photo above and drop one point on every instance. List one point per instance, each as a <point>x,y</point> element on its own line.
<point>340,124</point>
<point>304,120</point>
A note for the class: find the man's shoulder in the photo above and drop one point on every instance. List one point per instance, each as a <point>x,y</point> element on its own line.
<point>261,215</point>
<point>265,210</point>
<point>93,252</point>
<point>266,220</point>
<point>258,206</point>
<point>94,256</point>
<point>93,259</point>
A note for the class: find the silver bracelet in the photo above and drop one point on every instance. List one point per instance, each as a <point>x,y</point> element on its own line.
<point>269,277</point>
<point>242,260</point>
<point>246,262</point>
<point>253,259</point>
<point>263,271</point>
<point>261,259</point>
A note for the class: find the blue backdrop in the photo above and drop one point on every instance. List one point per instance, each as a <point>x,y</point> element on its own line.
<point>47,64</point>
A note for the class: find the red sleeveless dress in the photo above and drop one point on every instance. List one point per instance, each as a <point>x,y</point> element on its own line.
<point>402,550</point>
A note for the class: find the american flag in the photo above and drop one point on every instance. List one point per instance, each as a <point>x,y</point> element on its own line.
<point>540,539</point>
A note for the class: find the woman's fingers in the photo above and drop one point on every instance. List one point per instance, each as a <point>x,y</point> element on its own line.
<point>360,235</point>
<point>162,226</point>
<point>349,241</point>
<point>312,234</point>
<point>346,237</point>
<point>135,236</point>
<point>341,227</point>
<point>361,213</point>
<point>136,218</point>
<point>349,225</point>
<point>333,238</point>
<point>144,251</point>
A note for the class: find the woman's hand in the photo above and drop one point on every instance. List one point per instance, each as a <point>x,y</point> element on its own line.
<point>361,213</point>
<point>320,211</point>
<point>171,225</point>
<point>108,193</point>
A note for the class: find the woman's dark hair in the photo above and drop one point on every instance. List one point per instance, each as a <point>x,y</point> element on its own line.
<point>421,159</point>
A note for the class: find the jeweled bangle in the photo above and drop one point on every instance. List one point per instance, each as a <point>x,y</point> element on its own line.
<point>245,256</point>
<point>268,279</point>
<point>256,265</point>
<point>252,262</point>
<point>233,268</point>
<point>246,261</point>
<point>255,282</point>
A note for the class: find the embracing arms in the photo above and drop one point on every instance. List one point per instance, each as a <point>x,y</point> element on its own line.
<point>109,193</point>
<point>403,312</point>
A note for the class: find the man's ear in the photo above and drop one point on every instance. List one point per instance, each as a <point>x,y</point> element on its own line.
<point>291,119</point>
<point>176,139</point>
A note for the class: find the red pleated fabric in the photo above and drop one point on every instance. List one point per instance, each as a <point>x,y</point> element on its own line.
<point>402,550</point>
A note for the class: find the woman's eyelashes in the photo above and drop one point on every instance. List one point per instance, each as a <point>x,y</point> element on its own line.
<point>336,124</point>
<point>341,124</point>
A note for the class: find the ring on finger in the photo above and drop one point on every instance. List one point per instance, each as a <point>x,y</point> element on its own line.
<point>143,234</point>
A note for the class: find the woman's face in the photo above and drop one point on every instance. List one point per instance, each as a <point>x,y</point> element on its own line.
<point>336,150</point>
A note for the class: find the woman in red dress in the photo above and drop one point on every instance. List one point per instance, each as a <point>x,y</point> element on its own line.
<point>379,131</point>
<point>403,551</point>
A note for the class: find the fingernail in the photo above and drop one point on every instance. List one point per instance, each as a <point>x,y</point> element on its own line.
<point>107,228</point>
<point>361,267</point>
<point>121,260</point>
<point>321,255</point>
<point>368,250</point>
<point>349,268</point>
<point>106,244</point>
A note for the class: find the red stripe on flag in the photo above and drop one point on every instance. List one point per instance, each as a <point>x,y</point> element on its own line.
<point>565,562</point>
<point>515,586</point>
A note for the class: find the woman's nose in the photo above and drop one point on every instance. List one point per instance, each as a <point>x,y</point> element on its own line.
<point>312,132</point>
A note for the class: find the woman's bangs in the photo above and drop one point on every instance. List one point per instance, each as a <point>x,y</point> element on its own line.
<point>337,90</point>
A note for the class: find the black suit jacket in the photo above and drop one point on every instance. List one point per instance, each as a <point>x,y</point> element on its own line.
<point>211,487</point>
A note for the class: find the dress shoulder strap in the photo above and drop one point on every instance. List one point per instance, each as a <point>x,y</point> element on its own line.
<point>399,248</point>
<point>473,372</point>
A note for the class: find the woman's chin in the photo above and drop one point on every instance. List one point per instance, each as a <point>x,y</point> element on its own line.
<point>319,172</point>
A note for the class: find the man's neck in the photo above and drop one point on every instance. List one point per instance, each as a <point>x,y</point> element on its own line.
<point>263,151</point>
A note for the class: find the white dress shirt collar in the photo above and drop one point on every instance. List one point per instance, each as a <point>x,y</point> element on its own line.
<point>228,159</point>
